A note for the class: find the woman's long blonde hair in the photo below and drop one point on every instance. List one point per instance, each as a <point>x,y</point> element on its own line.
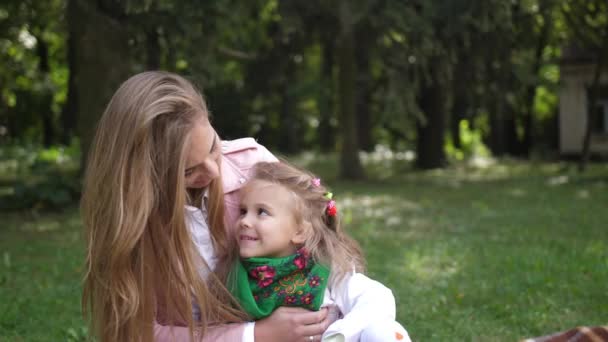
<point>328,243</point>
<point>141,264</point>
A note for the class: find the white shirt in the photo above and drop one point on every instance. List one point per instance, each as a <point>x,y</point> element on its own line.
<point>196,219</point>
<point>362,302</point>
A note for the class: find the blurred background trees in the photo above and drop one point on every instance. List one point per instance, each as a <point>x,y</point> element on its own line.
<point>433,77</point>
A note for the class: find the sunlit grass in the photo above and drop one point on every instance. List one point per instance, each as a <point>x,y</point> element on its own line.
<point>494,253</point>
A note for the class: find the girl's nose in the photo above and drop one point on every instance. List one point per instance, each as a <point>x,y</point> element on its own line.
<point>244,222</point>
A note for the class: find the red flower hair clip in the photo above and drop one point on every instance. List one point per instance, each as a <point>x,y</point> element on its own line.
<point>331,209</point>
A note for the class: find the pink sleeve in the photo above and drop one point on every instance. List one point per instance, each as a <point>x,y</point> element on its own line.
<point>265,155</point>
<point>242,160</point>
<point>226,332</point>
<point>231,212</point>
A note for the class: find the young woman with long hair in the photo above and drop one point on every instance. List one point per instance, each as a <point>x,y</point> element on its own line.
<point>155,156</point>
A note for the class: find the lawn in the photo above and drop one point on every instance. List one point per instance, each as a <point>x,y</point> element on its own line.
<point>498,253</point>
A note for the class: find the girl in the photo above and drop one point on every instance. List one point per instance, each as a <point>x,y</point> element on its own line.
<point>155,153</point>
<point>295,253</point>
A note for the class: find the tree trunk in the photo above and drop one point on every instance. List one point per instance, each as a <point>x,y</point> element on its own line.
<point>70,109</point>
<point>289,137</point>
<point>326,102</point>
<point>101,55</point>
<point>430,152</point>
<point>457,116</point>
<point>594,93</point>
<point>498,138</point>
<point>45,96</point>
<point>460,87</point>
<point>528,123</point>
<point>152,49</point>
<point>364,89</point>
<point>350,164</point>
<point>503,131</point>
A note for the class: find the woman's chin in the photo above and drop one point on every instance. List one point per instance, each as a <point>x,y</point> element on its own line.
<point>199,185</point>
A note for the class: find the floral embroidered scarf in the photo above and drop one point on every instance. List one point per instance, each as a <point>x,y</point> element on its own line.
<point>263,284</point>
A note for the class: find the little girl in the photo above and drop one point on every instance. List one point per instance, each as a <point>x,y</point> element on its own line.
<point>295,253</point>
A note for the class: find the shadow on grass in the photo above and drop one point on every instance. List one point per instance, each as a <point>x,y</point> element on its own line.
<point>498,259</point>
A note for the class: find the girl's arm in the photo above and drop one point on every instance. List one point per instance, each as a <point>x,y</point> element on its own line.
<point>362,301</point>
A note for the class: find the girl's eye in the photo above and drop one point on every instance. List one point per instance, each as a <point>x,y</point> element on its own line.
<point>262,212</point>
<point>242,211</point>
<point>188,173</point>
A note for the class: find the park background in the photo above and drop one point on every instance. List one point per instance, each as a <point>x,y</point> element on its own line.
<point>437,124</point>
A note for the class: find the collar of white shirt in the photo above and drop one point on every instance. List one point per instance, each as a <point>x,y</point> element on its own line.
<point>199,229</point>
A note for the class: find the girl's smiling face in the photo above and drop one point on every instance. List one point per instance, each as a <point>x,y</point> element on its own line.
<point>267,224</point>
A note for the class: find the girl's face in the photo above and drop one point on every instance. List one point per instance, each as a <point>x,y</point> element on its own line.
<point>267,225</point>
<point>202,163</point>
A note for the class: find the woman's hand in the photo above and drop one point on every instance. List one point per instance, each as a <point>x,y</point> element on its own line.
<point>292,324</point>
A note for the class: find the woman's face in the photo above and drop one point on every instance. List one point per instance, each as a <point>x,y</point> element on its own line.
<point>202,163</point>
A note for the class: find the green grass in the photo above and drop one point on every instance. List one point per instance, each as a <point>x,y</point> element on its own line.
<point>496,254</point>
<point>40,277</point>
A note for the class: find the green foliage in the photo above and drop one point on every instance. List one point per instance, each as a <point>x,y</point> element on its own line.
<point>471,144</point>
<point>587,22</point>
<point>39,178</point>
<point>268,68</point>
<point>33,70</point>
<point>55,191</point>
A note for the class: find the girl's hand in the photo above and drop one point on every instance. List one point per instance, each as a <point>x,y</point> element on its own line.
<point>292,324</point>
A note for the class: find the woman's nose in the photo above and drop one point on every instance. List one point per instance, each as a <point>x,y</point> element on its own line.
<point>212,168</point>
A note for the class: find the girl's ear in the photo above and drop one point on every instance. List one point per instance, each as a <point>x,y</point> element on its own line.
<point>302,234</point>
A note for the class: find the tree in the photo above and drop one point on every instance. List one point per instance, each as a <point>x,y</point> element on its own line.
<point>350,164</point>
<point>31,69</point>
<point>101,60</point>
<point>588,22</point>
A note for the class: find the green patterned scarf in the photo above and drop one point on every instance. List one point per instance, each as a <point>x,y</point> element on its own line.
<point>263,284</point>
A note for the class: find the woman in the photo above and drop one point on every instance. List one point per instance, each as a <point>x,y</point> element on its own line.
<point>155,154</point>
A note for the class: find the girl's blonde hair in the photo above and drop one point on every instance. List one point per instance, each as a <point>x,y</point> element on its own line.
<point>141,261</point>
<point>328,243</point>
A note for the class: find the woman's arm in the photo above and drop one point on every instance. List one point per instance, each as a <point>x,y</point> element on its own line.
<point>292,324</point>
<point>226,332</point>
<point>284,324</point>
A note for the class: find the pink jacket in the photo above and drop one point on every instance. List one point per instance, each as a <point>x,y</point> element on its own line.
<point>238,157</point>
